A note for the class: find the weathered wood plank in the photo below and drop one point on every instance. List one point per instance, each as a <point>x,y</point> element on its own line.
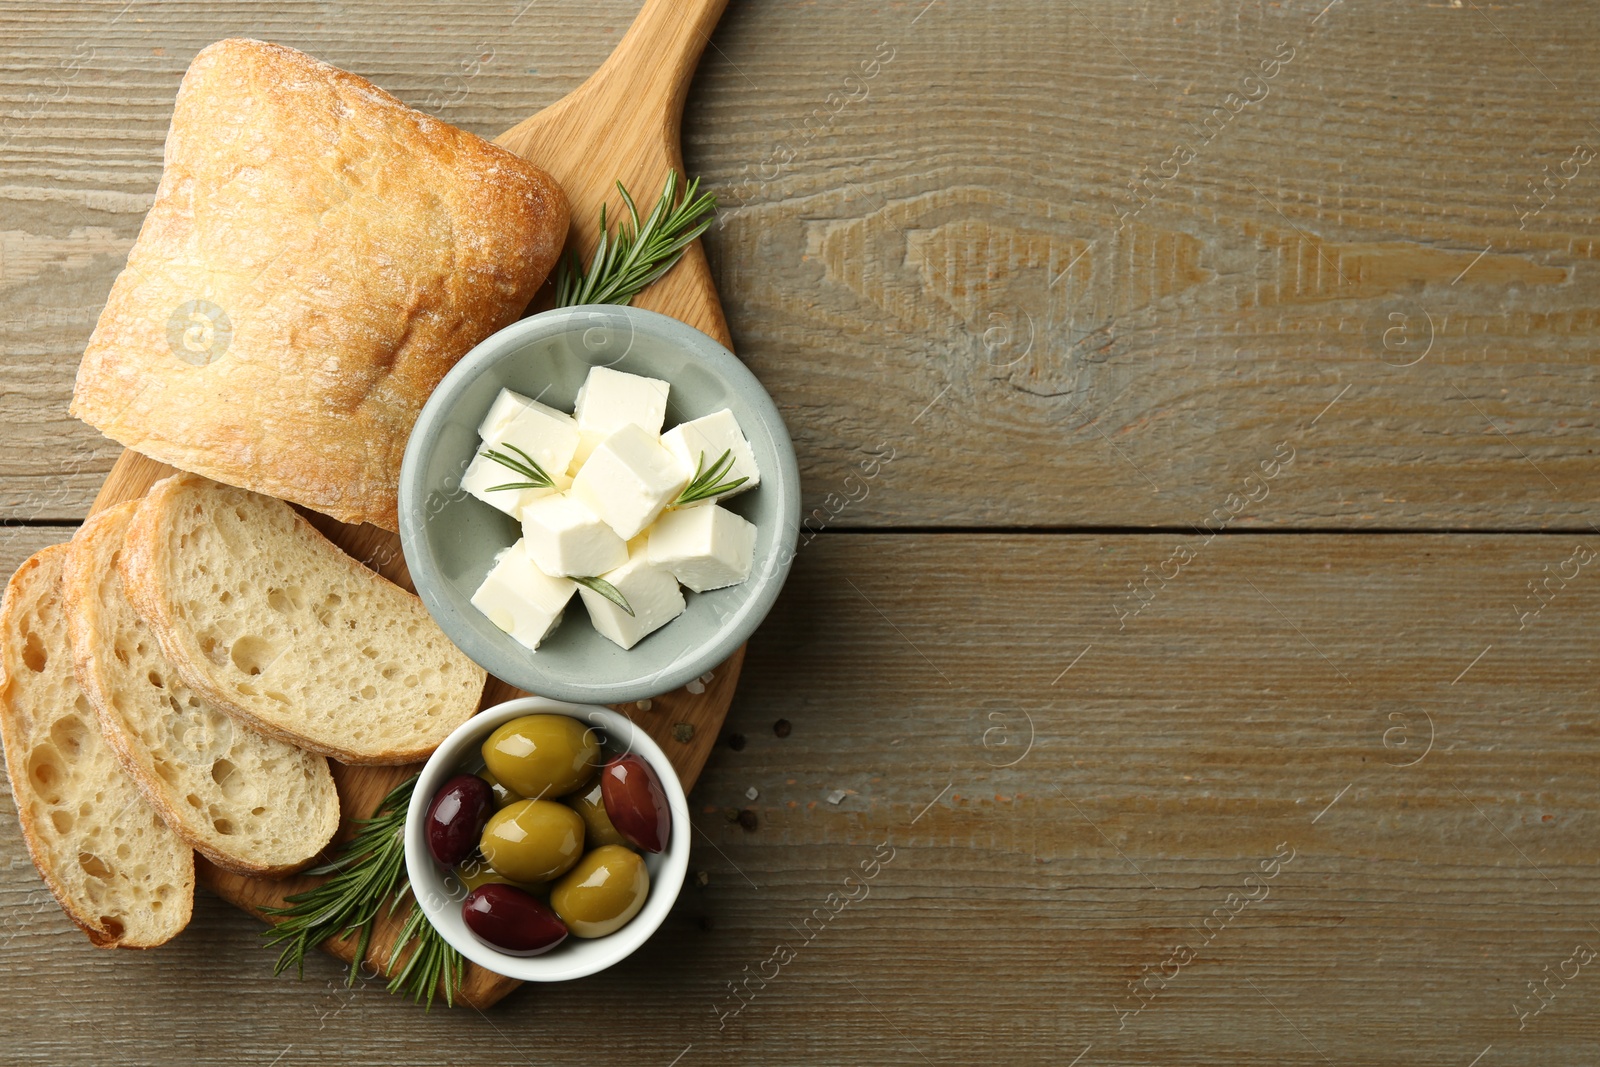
<point>1269,694</point>
<point>17,543</point>
<point>932,206</point>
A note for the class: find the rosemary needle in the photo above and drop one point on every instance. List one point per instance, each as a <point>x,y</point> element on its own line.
<point>369,870</point>
<point>704,485</point>
<point>640,251</point>
<point>522,464</point>
<point>607,590</point>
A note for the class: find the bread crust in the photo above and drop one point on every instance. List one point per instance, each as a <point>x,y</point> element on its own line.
<point>80,580</point>
<point>18,597</point>
<point>144,564</point>
<point>318,255</point>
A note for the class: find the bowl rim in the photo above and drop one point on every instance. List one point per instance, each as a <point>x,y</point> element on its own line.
<point>519,666</point>
<point>427,881</point>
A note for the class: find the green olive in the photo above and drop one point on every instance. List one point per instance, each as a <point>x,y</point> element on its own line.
<point>588,803</point>
<point>533,840</point>
<point>542,755</point>
<point>502,795</point>
<point>476,872</point>
<point>605,890</point>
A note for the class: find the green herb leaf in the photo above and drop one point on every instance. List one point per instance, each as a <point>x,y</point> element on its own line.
<point>607,590</point>
<point>369,869</point>
<point>526,466</point>
<point>703,486</point>
<point>639,252</point>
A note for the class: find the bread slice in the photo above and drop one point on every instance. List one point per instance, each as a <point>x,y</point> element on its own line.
<point>245,801</point>
<point>268,620</point>
<point>318,255</point>
<point>114,866</point>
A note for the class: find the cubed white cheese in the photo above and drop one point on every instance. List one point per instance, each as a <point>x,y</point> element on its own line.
<point>565,537</point>
<point>521,599</point>
<point>484,473</point>
<point>611,399</point>
<point>588,441</point>
<point>547,435</point>
<point>507,406</point>
<point>711,436</point>
<point>704,548</point>
<point>629,480</point>
<point>652,593</point>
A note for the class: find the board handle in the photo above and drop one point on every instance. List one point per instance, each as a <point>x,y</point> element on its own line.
<point>655,61</point>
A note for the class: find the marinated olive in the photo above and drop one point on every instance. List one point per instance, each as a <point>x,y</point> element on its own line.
<point>502,795</point>
<point>456,817</point>
<point>588,803</point>
<point>604,891</point>
<point>636,802</point>
<point>475,872</point>
<point>533,840</point>
<point>542,755</point>
<point>510,920</point>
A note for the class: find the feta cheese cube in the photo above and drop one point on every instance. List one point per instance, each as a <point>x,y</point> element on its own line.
<point>564,537</point>
<point>650,591</point>
<point>507,406</point>
<point>484,473</point>
<point>629,480</point>
<point>703,547</point>
<point>588,441</point>
<point>521,599</point>
<point>547,435</point>
<point>711,436</point>
<point>611,399</point>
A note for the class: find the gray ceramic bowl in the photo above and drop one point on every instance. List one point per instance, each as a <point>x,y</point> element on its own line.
<point>450,538</point>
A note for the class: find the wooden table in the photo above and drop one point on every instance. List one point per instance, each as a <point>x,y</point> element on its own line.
<point>1175,675</point>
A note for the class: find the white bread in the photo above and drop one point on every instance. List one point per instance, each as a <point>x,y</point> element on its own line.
<point>247,802</point>
<point>114,866</point>
<point>268,620</point>
<point>318,255</point>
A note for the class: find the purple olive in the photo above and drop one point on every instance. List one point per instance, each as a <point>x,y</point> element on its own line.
<point>516,923</point>
<point>636,802</point>
<point>455,818</point>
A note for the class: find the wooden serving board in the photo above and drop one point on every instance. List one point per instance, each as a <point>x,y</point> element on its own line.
<point>622,123</point>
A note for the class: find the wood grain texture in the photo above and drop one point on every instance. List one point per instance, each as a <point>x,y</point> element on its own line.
<point>926,264</point>
<point>891,239</point>
<point>1021,900</point>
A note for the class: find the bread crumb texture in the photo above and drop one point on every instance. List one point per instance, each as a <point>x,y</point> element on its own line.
<point>248,802</point>
<point>108,858</point>
<point>264,616</point>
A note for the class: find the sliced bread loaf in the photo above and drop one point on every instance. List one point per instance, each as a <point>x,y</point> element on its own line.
<point>268,620</point>
<point>245,801</point>
<point>114,866</point>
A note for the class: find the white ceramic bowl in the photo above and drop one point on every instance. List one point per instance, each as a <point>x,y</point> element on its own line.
<point>441,894</point>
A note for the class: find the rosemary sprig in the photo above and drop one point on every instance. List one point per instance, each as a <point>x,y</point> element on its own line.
<point>703,486</point>
<point>369,869</point>
<point>639,252</point>
<point>526,465</point>
<point>607,590</point>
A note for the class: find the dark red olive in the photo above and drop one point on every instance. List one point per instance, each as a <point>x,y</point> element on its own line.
<point>636,802</point>
<point>456,817</point>
<point>512,921</point>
